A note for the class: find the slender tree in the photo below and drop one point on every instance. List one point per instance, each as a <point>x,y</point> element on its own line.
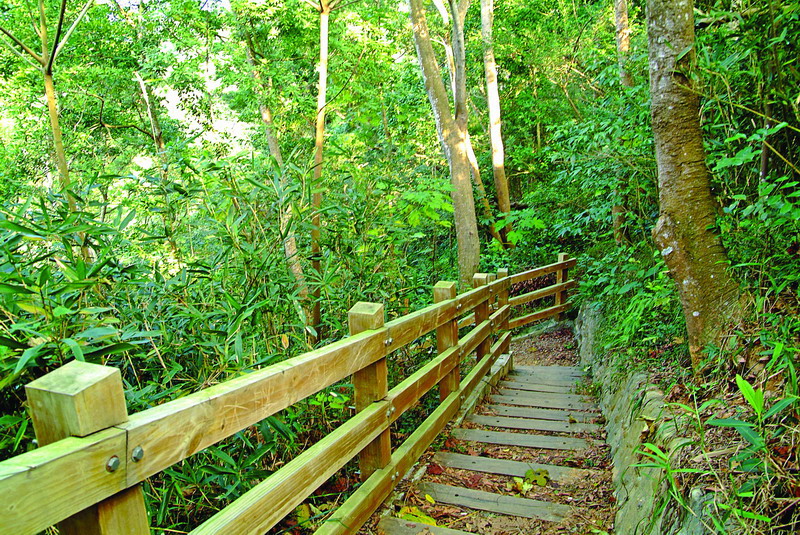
<point>452,128</point>
<point>44,62</point>
<point>685,232</point>
<point>623,38</point>
<point>324,7</point>
<point>493,99</point>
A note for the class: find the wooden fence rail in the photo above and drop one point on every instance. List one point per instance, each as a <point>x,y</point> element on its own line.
<point>87,475</point>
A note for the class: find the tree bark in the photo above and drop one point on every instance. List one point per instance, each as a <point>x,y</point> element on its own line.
<point>684,232</point>
<point>495,125</point>
<point>452,130</point>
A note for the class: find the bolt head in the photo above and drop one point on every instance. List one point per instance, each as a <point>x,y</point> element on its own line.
<point>137,454</point>
<point>112,464</point>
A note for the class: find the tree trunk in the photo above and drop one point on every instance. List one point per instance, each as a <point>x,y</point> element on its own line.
<point>316,197</point>
<point>58,143</point>
<point>452,130</point>
<point>493,101</point>
<point>684,232</point>
<point>623,37</point>
<point>623,40</point>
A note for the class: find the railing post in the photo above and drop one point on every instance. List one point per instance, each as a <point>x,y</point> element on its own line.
<point>76,400</point>
<point>371,384</point>
<point>447,337</point>
<point>482,312</point>
<point>562,276</point>
<point>502,300</point>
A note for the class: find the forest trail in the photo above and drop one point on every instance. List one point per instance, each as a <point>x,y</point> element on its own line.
<point>531,458</point>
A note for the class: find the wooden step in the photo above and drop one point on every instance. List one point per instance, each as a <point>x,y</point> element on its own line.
<point>561,370</point>
<point>548,400</point>
<point>496,503</point>
<point>504,467</point>
<point>522,401</point>
<point>520,439</point>
<point>541,414</point>
<point>532,424</point>
<point>532,387</point>
<point>391,525</point>
<point>542,380</point>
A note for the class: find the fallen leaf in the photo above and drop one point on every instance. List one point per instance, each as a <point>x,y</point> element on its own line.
<point>435,469</point>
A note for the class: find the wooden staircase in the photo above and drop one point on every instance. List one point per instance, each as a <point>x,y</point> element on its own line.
<point>535,411</point>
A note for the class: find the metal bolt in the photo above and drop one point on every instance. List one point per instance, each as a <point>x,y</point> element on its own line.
<point>394,409</point>
<point>458,306</point>
<point>394,477</point>
<point>388,341</point>
<point>388,412</point>
<point>137,454</point>
<point>112,464</point>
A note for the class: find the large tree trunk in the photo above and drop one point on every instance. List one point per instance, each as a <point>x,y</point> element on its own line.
<point>452,130</point>
<point>684,232</point>
<point>493,100</point>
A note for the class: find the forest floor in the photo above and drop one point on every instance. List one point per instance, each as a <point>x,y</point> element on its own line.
<point>591,498</point>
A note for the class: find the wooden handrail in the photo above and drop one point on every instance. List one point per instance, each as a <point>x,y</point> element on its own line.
<point>73,474</point>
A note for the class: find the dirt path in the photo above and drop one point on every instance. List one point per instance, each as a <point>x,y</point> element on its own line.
<point>478,478</point>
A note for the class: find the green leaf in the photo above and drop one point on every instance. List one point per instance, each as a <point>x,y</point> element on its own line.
<point>76,349</point>
<point>754,397</point>
<point>28,355</point>
<point>25,231</point>
<point>779,406</point>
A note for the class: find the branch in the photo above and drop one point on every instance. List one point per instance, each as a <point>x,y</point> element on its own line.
<point>72,28</point>
<point>313,4</point>
<point>110,126</point>
<point>62,11</point>
<point>19,54</point>
<point>20,44</point>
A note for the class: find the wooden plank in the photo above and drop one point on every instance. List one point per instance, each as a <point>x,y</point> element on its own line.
<point>173,431</point>
<point>477,374</point>
<point>467,321</point>
<point>472,339</point>
<point>369,385</point>
<point>390,525</point>
<point>48,484</point>
<point>447,337</point>
<point>533,424</point>
<point>540,315</point>
<point>541,414</point>
<point>544,270</point>
<point>78,399</point>
<point>482,314</point>
<point>546,400</point>
<point>504,467</point>
<point>360,505</point>
<point>267,503</point>
<point>561,277</point>
<point>544,380</point>
<point>520,439</point>
<point>469,300</point>
<point>408,328</point>
<point>406,394</point>
<point>533,387</point>
<point>539,294</point>
<point>496,503</point>
<point>574,371</point>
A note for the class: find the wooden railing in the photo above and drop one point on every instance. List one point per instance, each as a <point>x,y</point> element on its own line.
<point>86,476</point>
